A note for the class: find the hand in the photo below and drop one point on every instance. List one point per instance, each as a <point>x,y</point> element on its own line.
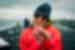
<point>45,34</point>
<point>37,35</point>
<point>40,31</point>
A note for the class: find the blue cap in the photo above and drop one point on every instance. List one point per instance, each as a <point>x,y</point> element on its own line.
<point>43,10</point>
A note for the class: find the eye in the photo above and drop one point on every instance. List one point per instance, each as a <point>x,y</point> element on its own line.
<point>36,16</point>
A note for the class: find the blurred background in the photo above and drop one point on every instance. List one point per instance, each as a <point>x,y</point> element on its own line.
<point>18,14</point>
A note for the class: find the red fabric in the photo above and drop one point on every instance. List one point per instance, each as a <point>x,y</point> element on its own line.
<point>28,42</point>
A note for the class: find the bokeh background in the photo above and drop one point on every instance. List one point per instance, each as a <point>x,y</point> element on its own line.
<point>15,13</point>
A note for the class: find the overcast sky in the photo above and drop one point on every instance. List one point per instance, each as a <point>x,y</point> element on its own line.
<point>14,8</point>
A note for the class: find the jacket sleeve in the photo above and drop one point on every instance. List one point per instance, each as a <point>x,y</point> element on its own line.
<point>54,43</point>
<point>25,44</point>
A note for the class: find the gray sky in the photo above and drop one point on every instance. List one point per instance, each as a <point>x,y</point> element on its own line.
<point>13,8</point>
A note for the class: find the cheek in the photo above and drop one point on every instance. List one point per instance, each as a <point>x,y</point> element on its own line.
<point>39,21</point>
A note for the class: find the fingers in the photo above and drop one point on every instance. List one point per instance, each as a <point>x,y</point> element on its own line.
<point>37,38</point>
<point>45,34</point>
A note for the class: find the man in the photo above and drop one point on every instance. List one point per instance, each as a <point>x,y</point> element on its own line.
<point>42,35</point>
<point>26,22</point>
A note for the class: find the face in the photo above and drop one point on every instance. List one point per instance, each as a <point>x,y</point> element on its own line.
<point>39,20</point>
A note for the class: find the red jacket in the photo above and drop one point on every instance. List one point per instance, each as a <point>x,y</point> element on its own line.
<point>28,42</point>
